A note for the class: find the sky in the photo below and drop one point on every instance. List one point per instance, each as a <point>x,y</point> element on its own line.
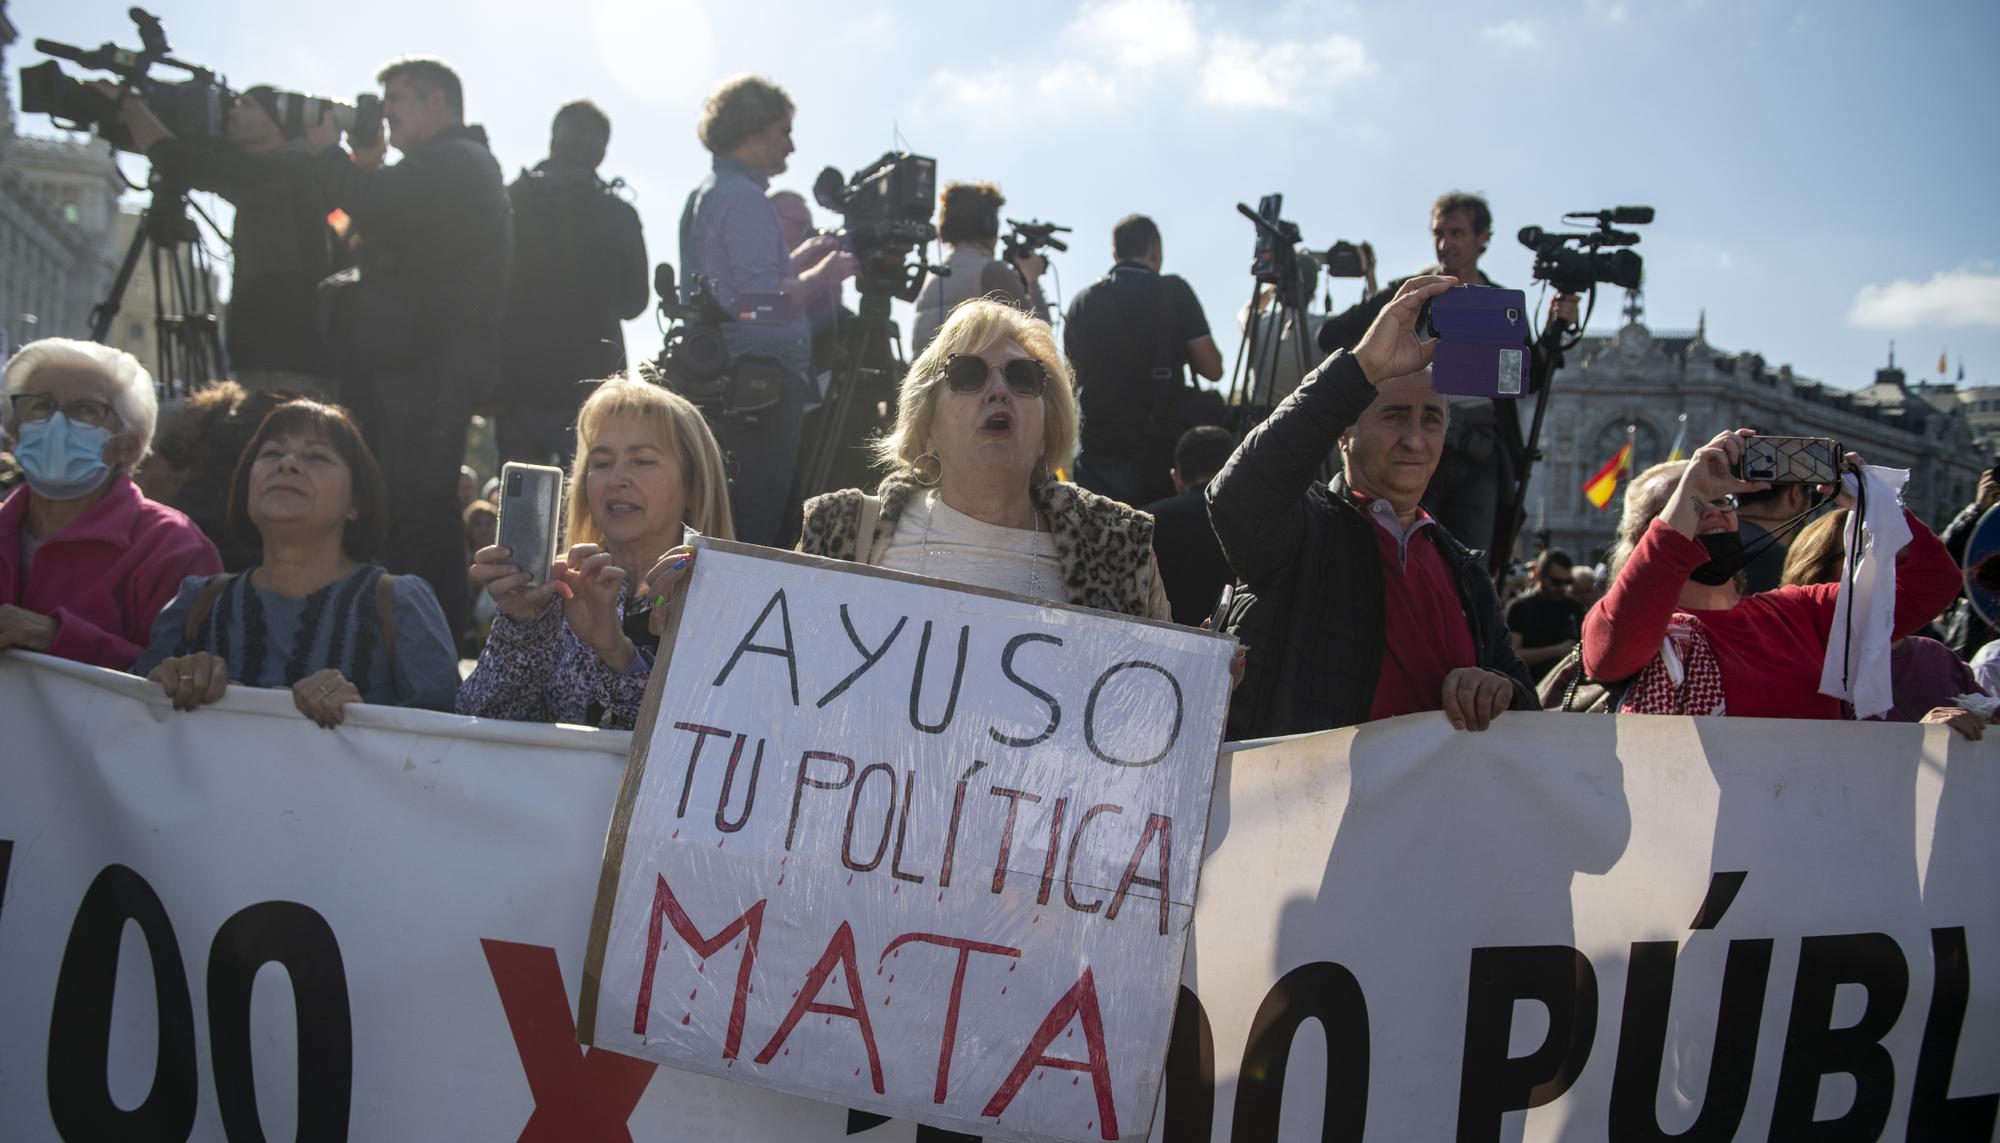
<point>1823,172</point>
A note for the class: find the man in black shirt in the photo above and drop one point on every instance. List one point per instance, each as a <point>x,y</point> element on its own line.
<point>1190,557</point>
<point>1128,337</point>
<point>280,243</point>
<point>579,268</point>
<point>1546,622</point>
<point>423,326</point>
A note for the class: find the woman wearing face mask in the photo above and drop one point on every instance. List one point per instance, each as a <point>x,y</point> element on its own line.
<point>86,561</point>
<point>1676,585</point>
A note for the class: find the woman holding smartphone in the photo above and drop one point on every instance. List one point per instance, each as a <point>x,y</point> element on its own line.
<point>1677,586</point>
<point>578,648</point>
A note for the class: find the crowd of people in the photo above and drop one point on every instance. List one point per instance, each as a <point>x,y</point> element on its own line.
<point>334,545</point>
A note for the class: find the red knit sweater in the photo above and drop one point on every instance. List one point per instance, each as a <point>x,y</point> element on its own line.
<point>1770,646</point>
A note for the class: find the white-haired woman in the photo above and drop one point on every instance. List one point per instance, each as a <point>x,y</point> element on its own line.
<point>985,416</point>
<point>579,648</point>
<point>86,561</point>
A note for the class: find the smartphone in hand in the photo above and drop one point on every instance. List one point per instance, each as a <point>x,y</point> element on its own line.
<point>530,519</point>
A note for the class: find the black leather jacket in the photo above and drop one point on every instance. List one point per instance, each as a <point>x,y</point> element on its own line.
<point>1309,560</point>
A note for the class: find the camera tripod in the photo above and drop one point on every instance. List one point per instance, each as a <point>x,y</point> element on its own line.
<point>1253,382</point>
<point>860,401</point>
<point>187,334</point>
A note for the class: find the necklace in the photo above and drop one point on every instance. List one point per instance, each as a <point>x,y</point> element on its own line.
<point>931,503</point>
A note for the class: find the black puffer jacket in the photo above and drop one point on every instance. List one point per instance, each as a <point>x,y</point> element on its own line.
<point>1312,618</point>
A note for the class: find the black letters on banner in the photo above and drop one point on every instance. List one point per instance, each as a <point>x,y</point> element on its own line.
<point>80,1102</point>
<point>6,861</point>
<point>788,652</point>
<point>1049,700</point>
<point>298,938</point>
<point>1490,1082</point>
<point>1934,1114</point>
<point>1642,1041</point>
<point>1814,1050</point>
<point>1321,991</point>
<point>1189,1116</point>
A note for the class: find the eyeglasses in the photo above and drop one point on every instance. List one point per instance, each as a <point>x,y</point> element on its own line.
<point>32,407</point>
<point>967,373</point>
<point>1724,503</point>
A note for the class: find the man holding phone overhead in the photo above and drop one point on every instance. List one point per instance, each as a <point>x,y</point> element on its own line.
<point>1359,605</point>
<point>1483,451</point>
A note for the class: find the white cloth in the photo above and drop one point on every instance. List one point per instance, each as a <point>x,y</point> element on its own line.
<point>964,550</point>
<point>1870,598</point>
<point>1986,667</point>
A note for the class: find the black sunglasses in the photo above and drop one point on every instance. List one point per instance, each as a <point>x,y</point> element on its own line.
<point>967,373</point>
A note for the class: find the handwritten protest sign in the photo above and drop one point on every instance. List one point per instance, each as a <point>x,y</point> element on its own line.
<point>925,852</point>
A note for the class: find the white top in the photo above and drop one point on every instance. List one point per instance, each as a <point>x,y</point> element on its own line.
<point>964,550</point>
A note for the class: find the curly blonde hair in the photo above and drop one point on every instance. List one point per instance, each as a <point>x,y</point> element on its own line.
<point>681,431</point>
<point>974,327</point>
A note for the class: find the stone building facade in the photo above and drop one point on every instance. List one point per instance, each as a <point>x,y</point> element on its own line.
<point>58,226</point>
<point>1644,380</point>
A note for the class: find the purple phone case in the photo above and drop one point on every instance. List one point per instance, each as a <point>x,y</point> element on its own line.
<point>1482,348</point>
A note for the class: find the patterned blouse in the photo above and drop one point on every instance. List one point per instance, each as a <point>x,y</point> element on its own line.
<point>539,671</point>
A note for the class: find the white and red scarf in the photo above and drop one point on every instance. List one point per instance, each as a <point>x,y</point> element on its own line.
<point>1684,678</point>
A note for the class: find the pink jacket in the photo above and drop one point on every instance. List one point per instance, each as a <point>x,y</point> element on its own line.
<point>106,576</point>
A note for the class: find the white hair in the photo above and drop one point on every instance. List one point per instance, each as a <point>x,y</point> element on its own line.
<point>132,396</point>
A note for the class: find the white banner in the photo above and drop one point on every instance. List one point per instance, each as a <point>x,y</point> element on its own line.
<point>938,846</point>
<point>1568,928</point>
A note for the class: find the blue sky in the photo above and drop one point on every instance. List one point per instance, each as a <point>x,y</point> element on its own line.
<point>1824,172</point>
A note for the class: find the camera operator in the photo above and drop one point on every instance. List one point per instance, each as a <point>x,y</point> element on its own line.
<point>1484,452</point>
<point>810,246</point>
<point>1128,335</point>
<point>422,329</point>
<point>579,268</point>
<point>730,236</point>
<point>281,243</point>
<point>969,223</point>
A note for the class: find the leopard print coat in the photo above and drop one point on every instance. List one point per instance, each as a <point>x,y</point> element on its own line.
<point>1104,547</point>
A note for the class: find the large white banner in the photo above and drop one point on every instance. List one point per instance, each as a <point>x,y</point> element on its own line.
<point>1568,928</point>
<point>916,850</point>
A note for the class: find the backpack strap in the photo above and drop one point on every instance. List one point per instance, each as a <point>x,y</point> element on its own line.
<point>203,604</point>
<point>385,613</point>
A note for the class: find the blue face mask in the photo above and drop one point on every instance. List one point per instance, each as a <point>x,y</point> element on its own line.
<point>63,460</point>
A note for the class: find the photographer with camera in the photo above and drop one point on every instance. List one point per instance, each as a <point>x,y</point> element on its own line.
<point>969,223</point>
<point>1129,335</point>
<point>421,331</point>
<point>281,243</point>
<point>1483,452</point>
<point>579,268</point>
<point>731,237</point>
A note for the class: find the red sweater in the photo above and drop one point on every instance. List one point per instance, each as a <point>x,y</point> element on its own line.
<point>1424,633</point>
<point>106,575</point>
<point>1771,645</point>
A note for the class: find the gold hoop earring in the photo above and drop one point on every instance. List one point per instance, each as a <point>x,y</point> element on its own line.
<point>916,468</point>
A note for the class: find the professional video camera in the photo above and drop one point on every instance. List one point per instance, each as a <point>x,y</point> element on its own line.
<point>1275,261</point>
<point>695,362</point>
<point>1026,238</point>
<point>887,210</point>
<point>194,108</point>
<point>1575,271</point>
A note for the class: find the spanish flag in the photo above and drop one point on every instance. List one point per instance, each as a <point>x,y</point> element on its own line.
<point>1600,488</point>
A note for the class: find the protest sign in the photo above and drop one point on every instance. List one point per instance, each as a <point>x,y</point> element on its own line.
<point>939,847</point>
<point>1745,929</point>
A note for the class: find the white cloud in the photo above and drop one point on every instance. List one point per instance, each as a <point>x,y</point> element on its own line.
<point>1610,11</point>
<point>1117,51</point>
<point>1243,75</point>
<point>1138,35</point>
<point>1517,35</point>
<point>991,87</point>
<point>1952,299</point>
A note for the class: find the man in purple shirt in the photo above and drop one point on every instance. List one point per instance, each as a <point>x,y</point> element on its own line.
<point>731,237</point>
